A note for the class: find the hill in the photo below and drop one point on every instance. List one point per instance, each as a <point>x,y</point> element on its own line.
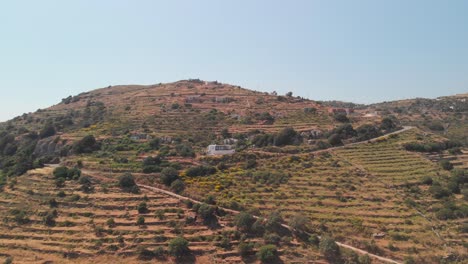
<point>313,181</point>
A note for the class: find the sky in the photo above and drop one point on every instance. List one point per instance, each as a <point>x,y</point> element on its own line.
<point>362,51</point>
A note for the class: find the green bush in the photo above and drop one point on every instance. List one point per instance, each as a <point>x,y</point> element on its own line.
<point>87,144</point>
<point>267,253</point>
<point>244,221</point>
<point>330,249</point>
<point>244,249</point>
<point>142,208</point>
<point>273,221</point>
<point>169,175</point>
<point>127,183</point>
<point>272,238</point>
<point>446,165</point>
<point>314,240</point>
<point>298,222</point>
<point>20,217</point>
<point>47,131</point>
<point>141,220</point>
<point>177,186</point>
<point>438,191</point>
<point>66,173</point>
<point>110,222</point>
<point>184,150</point>
<point>269,177</point>
<point>206,212</point>
<point>287,136</point>
<point>335,140</point>
<point>200,171</point>
<point>155,143</point>
<point>366,132</point>
<point>387,124</point>
<point>427,180</point>
<point>179,247</point>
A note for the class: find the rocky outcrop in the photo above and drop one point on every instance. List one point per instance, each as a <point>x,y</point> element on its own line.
<point>51,146</point>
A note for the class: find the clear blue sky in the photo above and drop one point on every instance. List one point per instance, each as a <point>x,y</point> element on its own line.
<point>361,51</point>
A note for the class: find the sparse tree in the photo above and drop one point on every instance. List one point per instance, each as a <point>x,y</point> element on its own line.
<point>179,247</point>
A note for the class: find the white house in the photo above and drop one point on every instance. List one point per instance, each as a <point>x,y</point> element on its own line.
<point>220,150</point>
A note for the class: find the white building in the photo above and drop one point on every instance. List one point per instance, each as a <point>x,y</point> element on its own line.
<point>220,150</point>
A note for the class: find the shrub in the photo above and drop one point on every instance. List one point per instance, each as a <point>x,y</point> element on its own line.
<point>267,253</point>
<point>298,222</point>
<point>335,140</point>
<point>184,150</point>
<point>430,147</point>
<point>142,208</point>
<point>154,143</point>
<point>314,240</point>
<point>60,182</point>
<point>141,220</point>
<point>366,132</point>
<point>365,259</point>
<point>200,171</point>
<point>110,222</point>
<point>244,221</point>
<point>341,117</point>
<point>272,238</point>
<point>87,144</point>
<point>74,198</point>
<point>47,131</point>
<point>61,172</point>
<point>20,217</point>
<point>179,247</point>
<point>206,212</point>
<point>273,222</point>
<point>168,175</point>
<point>438,191</point>
<point>159,252</point>
<point>269,177</point>
<point>258,228</point>
<point>49,219</point>
<point>177,186</point>
<point>427,180</point>
<point>127,182</point>
<point>387,124</point>
<point>244,249</point>
<point>84,180</point>
<point>53,203</point>
<point>66,174</point>
<point>144,253</point>
<point>446,165</point>
<point>287,136</point>
<point>330,249</point>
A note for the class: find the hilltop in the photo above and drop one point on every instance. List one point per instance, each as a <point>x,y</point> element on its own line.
<point>388,179</point>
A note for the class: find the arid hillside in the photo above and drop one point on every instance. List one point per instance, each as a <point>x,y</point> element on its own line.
<point>125,174</point>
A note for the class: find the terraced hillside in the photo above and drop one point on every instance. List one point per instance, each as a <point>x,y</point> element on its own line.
<point>445,116</point>
<point>174,109</point>
<point>404,174</point>
<point>361,194</point>
<point>81,229</point>
<point>328,173</point>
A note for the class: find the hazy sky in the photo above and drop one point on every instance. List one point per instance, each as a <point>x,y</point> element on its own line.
<point>361,51</point>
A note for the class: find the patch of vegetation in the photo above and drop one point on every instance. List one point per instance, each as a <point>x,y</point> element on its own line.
<point>200,171</point>
<point>127,183</point>
<point>179,247</point>
<point>88,144</point>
